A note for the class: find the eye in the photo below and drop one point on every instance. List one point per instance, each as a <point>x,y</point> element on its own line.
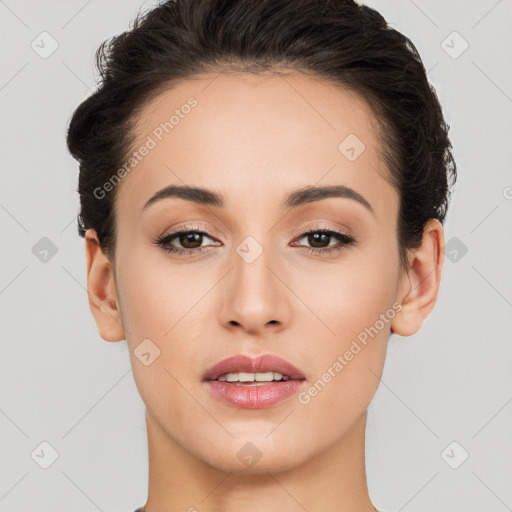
<point>189,237</point>
<point>321,237</point>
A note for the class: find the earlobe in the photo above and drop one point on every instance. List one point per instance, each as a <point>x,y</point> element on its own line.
<point>101,290</point>
<point>420,285</point>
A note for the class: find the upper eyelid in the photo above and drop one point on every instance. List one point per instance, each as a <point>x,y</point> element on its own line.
<point>198,229</point>
<point>186,229</point>
<point>289,231</point>
<point>314,229</point>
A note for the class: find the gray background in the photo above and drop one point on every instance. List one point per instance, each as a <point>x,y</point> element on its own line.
<point>62,384</point>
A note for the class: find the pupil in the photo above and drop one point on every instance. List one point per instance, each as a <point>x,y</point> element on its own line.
<point>190,238</point>
<point>316,236</point>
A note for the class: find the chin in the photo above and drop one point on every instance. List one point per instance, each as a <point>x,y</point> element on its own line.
<point>255,455</point>
<point>274,463</point>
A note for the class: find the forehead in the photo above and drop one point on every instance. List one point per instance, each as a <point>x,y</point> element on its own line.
<point>255,137</point>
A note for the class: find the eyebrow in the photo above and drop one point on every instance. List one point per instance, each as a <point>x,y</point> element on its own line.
<point>296,198</point>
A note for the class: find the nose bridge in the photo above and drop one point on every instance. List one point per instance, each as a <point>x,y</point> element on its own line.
<point>252,260</point>
<point>255,295</point>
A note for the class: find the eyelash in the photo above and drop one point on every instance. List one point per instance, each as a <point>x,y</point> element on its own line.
<point>164,240</point>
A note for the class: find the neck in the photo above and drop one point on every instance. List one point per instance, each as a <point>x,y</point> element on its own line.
<point>333,480</point>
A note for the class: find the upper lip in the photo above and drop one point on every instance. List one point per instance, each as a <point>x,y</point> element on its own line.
<point>261,364</point>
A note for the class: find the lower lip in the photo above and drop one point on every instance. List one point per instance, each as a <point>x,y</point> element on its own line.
<point>254,397</point>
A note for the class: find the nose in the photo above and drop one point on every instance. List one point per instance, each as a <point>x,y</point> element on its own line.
<point>256,298</point>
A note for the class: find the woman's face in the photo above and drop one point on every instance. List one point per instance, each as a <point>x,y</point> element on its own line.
<point>262,284</point>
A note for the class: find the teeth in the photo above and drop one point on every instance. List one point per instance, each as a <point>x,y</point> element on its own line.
<point>251,377</point>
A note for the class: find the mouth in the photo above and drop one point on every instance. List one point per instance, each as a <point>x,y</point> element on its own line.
<point>253,383</point>
<point>253,379</point>
<point>245,370</point>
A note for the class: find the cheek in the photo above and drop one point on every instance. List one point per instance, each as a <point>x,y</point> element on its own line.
<point>353,305</point>
<point>348,297</point>
<point>159,306</point>
<point>155,294</point>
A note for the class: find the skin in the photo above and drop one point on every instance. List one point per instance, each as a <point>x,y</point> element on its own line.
<point>254,139</point>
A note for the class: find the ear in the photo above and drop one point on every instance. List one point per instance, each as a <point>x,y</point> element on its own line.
<point>420,283</point>
<point>101,289</point>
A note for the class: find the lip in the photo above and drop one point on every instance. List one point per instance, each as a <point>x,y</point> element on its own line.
<point>253,396</point>
<point>261,364</point>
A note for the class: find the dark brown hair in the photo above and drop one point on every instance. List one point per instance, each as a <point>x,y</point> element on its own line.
<point>340,41</point>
